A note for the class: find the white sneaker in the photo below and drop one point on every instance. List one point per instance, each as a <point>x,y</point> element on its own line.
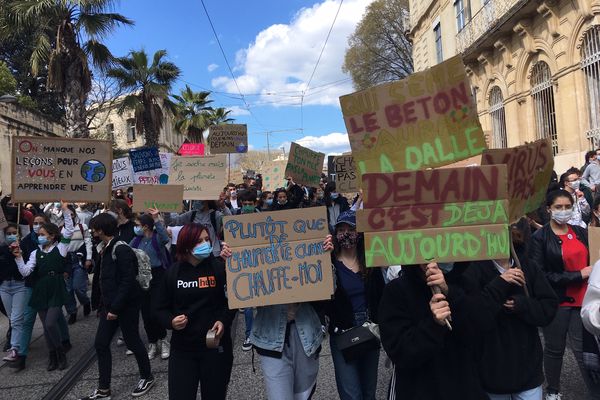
<point>151,351</point>
<point>128,352</point>
<point>165,349</point>
<point>553,396</point>
<point>120,341</point>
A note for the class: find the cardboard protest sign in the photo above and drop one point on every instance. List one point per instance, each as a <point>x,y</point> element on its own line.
<point>529,172</point>
<point>159,176</point>
<point>441,215</point>
<point>191,149</point>
<point>228,138</point>
<point>203,178</point>
<point>49,169</point>
<point>278,258</point>
<point>427,120</point>
<point>165,198</point>
<point>273,175</point>
<point>122,173</point>
<point>144,159</point>
<point>346,180</point>
<point>3,221</point>
<point>594,242</point>
<point>304,165</point>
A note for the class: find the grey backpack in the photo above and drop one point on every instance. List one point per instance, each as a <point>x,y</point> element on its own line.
<point>144,274</point>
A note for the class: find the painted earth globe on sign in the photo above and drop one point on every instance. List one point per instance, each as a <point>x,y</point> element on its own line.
<point>93,171</point>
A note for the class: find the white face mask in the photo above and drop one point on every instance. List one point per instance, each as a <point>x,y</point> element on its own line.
<point>562,217</point>
<point>575,184</point>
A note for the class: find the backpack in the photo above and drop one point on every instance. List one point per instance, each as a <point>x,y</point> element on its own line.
<point>162,252</point>
<point>144,273</point>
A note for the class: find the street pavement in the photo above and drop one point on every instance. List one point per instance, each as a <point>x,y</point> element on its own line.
<point>35,382</point>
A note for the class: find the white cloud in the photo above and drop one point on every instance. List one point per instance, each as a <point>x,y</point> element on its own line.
<point>282,57</point>
<point>237,111</point>
<point>334,143</point>
<point>212,67</point>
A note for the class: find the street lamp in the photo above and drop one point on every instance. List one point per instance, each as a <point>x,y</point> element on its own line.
<point>7,98</point>
<point>283,149</point>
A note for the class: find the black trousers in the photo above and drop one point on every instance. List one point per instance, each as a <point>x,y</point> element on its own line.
<point>153,329</point>
<point>128,320</point>
<point>211,369</point>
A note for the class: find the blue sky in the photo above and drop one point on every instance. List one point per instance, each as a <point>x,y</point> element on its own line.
<point>272,47</point>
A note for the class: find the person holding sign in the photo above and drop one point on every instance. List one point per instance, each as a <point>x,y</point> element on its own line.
<point>561,251</point>
<point>431,361</point>
<point>510,353</point>
<point>356,301</point>
<point>47,265</point>
<point>152,237</point>
<point>193,304</point>
<point>288,339</point>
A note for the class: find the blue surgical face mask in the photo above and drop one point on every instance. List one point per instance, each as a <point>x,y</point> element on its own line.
<point>446,267</point>
<point>36,228</point>
<point>202,251</point>
<point>138,230</point>
<point>269,202</point>
<point>57,205</point>
<point>334,195</point>
<point>43,240</point>
<point>258,193</point>
<point>11,238</point>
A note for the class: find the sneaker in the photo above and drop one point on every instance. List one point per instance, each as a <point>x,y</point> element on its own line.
<point>72,319</point>
<point>553,396</point>
<point>151,351</point>
<point>11,356</point>
<point>98,394</point>
<point>120,341</point>
<point>87,309</point>
<point>128,352</point>
<point>247,346</point>
<point>165,349</point>
<point>143,387</point>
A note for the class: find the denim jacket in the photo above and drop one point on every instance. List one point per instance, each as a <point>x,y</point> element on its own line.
<point>270,322</point>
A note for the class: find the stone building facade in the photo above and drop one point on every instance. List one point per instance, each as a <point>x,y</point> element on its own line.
<point>16,120</point>
<point>534,66</point>
<point>107,124</point>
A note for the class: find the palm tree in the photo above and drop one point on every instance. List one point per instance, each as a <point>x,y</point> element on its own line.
<point>59,27</point>
<point>193,113</point>
<point>220,116</point>
<point>149,87</point>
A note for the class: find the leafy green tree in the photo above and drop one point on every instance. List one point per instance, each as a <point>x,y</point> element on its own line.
<point>379,49</point>
<point>8,83</point>
<point>149,86</point>
<point>193,113</point>
<point>67,39</point>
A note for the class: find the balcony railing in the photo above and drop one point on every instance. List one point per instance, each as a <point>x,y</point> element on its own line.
<point>483,21</point>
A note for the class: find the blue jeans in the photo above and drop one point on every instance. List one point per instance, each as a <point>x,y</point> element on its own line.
<point>77,284</point>
<point>532,394</point>
<point>29,320</point>
<point>356,380</point>
<point>14,297</point>
<point>248,318</point>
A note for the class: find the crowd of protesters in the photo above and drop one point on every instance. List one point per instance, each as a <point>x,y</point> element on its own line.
<point>491,329</point>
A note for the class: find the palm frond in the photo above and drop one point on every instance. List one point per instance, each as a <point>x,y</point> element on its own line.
<point>101,24</point>
<point>41,53</point>
<point>99,54</point>
<point>158,56</point>
<point>130,102</point>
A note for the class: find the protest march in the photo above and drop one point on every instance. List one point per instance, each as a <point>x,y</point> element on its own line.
<point>464,280</point>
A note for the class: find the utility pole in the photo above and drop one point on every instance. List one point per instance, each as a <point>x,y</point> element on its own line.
<point>268,133</point>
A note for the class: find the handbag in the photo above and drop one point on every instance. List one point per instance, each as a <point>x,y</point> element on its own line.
<point>356,342</point>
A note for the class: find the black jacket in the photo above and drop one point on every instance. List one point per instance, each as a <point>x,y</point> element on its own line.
<point>431,362</point>
<point>8,266</point>
<point>118,286</point>
<point>509,357</point>
<point>199,293</point>
<point>545,252</point>
<point>339,309</point>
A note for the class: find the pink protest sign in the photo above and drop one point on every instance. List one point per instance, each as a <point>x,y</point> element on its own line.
<point>191,149</point>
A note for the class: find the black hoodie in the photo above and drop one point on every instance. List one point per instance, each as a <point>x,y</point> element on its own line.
<point>431,362</point>
<point>199,293</point>
<point>509,357</point>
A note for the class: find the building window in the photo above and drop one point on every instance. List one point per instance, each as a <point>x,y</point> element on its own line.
<point>131,130</point>
<point>110,131</point>
<point>543,104</point>
<point>462,14</point>
<point>496,110</point>
<point>590,64</point>
<point>437,32</point>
